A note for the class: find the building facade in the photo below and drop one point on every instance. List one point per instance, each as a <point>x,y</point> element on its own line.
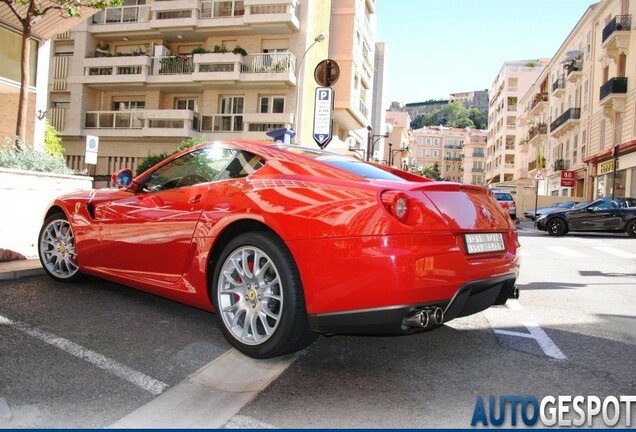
<point>458,152</point>
<point>579,120</point>
<point>146,76</point>
<point>512,82</point>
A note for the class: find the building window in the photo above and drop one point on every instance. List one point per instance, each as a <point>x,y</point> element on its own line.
<point>128,105</point>
<point>272,104</point>
<point>11,55</point>
<point>191,104</point>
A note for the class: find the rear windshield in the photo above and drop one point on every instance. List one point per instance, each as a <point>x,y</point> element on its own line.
<point>503,196</point>
<point>346,163</point>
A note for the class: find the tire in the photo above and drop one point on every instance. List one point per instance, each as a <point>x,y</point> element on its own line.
<point>556,227</point>
<point>261,311</point>
<point>630,228</point>
<point>56,249</point>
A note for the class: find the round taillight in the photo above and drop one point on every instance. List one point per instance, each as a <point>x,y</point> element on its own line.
<point>397,204</point>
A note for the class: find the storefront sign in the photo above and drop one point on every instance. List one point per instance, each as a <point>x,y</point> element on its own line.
<point>606,167</point>
<point>567,178</point>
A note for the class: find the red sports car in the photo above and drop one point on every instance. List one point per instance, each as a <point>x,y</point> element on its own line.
<point>287,242</point>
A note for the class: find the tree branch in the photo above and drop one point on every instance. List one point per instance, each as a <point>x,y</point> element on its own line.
<point>13,9</point>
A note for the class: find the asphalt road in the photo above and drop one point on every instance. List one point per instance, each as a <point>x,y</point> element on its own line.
<point>86,355</point>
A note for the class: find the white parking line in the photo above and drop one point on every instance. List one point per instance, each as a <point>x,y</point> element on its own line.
<point>139,379</point>
<point>537,333</point>
<point>566,252</point>
<point>614,251</point>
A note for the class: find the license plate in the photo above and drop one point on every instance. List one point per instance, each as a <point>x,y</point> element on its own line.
<point>484,243</point>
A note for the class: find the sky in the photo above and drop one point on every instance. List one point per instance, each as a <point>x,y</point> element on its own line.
<point>438,47</point>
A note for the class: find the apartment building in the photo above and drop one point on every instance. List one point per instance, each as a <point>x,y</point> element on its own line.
<point>512,82</point>
<point>145,76</point>
<point>458,152</point>
<point>580,113</point>
<point>474,157</point>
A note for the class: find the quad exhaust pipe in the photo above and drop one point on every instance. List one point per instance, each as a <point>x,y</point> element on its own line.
<point>423,318</point>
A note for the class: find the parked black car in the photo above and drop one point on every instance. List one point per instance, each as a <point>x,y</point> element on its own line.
<point>603,214</point>
<point>529,214</point>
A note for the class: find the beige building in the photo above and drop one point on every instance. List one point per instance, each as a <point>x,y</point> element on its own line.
<point>512,82</point>
<point>580,112</point>
<point>458,152</point>
<point>399,150</point>
<point>145,76</point>
<point>474,156</point>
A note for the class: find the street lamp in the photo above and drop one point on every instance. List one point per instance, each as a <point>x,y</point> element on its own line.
<point>296,124</point>
<point>388,128</point>
<point>393,152</point>
<point>615,155</point>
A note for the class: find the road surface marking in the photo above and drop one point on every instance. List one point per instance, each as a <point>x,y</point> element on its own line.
<point>566,252</point>
<point>614,251</point>
<point>537,333</point>
<point>137,378</point>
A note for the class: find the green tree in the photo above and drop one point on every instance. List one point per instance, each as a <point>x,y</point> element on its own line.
<point>455,114</point>
<point>28,12</point>
<point>431,172</point>
<point>52,140</point>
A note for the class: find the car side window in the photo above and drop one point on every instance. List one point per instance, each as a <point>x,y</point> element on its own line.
<point>197,166</point>
<point>243,164</point>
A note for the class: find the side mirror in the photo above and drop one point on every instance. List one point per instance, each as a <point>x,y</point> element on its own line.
<point>123,178</point>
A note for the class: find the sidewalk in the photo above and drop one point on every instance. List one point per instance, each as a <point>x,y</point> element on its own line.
<point>11,270</point>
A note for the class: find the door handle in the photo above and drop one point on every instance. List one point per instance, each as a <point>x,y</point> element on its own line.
<point>195,199</point>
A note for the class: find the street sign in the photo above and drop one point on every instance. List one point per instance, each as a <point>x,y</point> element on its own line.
<point>323,114</point>
<point>92,148</point>
<point>327,72</point>
<point>567,178</point>
<point>539,176</point>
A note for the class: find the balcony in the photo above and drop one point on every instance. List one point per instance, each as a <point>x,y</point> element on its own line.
<point>537,133</point>
<point>565,122</point>
<point>561,164</point>
<point>558,86</point>
<point>612,94</point>
<point>477,170</point>
<point>532,165</point>
<point>175,13</point>
<point>538,105</point>
<point>573,70</point>
<point>616,35</point>
<point>478,154</point>
<point>100,70</point>
<point>140,123</point>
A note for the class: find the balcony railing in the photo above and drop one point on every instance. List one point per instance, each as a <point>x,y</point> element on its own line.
<point>561,164</point>
<point>540,129</point>
<point>269,63</point>
<point>479,154</point>
<point>121,15</point>
<point>114,120</point>
<point>618,23</point>
<point>558,84</point>
<point>572,113</point>
<point>173,65</point>
<point>478,170</point>
<point>614,85</point>
<point>222,9</point>
<point>532,165</point>
<point>538,98</point>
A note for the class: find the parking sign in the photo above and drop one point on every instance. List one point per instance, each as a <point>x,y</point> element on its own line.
<point>323,114</point>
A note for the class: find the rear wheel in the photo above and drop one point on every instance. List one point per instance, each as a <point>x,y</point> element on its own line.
<point>258,297</point>
<point>56,248</point>
<point>630,228</point>
<point>556,227</point>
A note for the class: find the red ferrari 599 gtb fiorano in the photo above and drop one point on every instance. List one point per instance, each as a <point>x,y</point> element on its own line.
<point>287,242</point>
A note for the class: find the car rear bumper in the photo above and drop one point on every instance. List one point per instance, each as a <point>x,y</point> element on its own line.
<point>469,299</point>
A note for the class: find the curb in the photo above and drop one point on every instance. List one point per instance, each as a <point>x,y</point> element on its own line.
<point>13,270</point>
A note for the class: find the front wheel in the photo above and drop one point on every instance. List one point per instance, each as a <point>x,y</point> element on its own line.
<point>258,297</point>
<point>56,248</point>
<point>630,228</point>
<point>556,227</point>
